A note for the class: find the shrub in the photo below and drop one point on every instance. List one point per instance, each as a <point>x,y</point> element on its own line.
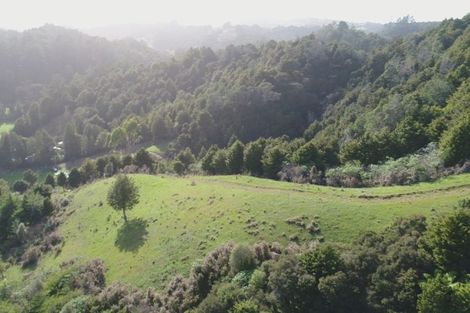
<point>91,277</point>
<point>454,142</point>
<point>447,242</point>
<point>247,306</point>
<point>235,156</point>
<point>425,165</point>
<point>258,280</point>
<point>349,175</point>
<point>464,203</point>
<point>78,305</point>
<point>75,178</point>
<point>50,180</point>
<point>61,179</point>
<point>273,159</point>
<point>294,173</point>
<point>120,296</point>
<point>20,186</point>
<point>321,261</point>
<point>30,176</point>
<point>242,259</point>
<point>178,167</point>
<point>30,257</point>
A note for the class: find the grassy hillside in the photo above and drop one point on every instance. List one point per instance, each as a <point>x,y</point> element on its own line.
<point>178,220</point>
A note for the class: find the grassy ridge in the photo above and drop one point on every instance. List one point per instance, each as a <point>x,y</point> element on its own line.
<point>179,220</point>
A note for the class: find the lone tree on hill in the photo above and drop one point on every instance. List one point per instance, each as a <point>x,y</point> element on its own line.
<point>123,195</point>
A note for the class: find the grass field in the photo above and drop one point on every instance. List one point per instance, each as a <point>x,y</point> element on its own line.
<point>5,128</point>
<point>178,220</point>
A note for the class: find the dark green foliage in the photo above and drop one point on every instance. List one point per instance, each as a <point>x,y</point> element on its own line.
<point>394,285</point>
<point>126,160</point>
<point>88,171</point>
<point>30,177</point>
<point>50,180</point>
<point>208,159</point>
<point>242,259</point>
<point>61,179</point>
<point>222,299</point>
<point>455,142</point>
<point>320,262</point>
<point>5,151</point>
<point>33,208</point>
<point>186,158</point>
<point>272,161</point>
<point>436,296</point>
<point>341,88</point>
<point>20,186</point>
<point>292,289</point>
<point>7,210</point>
<point>123,195</point>
<point>75,178</point>
<point>178,167</point>
<point>219,162</point>
<point>247,306</point>
<point>308,155</point>
<point>369,149</point>
<point>72,143</point>
<point>235,156</point>
<point>142,158</point>
<point>442,294</point>
<point>253,156</point>
<point>447,242</point>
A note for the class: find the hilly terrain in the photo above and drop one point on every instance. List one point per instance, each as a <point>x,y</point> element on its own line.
<point>353,96</point>
<point>321,173</point>
<point>179,220</point>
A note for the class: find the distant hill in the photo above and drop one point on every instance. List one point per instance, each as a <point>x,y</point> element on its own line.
<point>36,56</point>
<point>174,37</point>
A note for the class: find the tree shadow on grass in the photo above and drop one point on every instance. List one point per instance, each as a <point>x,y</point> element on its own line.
<point>131,235</point>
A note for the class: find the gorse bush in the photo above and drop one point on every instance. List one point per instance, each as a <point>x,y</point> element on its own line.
<point>242,259</point>
<point>425,165</point>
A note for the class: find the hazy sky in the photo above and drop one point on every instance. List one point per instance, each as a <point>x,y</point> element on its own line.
<point>22,14</point>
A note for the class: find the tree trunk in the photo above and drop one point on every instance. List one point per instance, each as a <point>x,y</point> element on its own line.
<point>124,214</point>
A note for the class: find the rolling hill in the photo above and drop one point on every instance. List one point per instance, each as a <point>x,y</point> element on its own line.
<point>179,220</point>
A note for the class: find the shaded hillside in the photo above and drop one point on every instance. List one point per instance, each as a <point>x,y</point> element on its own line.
<point>358,96</point>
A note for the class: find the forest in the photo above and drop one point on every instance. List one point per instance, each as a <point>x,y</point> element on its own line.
<point>339,100</point>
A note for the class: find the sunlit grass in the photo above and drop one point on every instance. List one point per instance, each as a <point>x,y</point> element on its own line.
<point>178,220</point>
<point>5,128</point>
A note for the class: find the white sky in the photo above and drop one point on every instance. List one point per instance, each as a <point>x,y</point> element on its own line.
<point>23,14</point>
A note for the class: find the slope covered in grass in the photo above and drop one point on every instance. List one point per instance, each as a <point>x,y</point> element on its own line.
<point>178,220</point>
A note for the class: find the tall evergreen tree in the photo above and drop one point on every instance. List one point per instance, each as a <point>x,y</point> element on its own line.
<point>235,156</point>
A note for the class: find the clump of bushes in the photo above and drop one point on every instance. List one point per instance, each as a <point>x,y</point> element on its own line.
<point>30,257</point>
<point>425,165</point>
<point>242,259</point>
